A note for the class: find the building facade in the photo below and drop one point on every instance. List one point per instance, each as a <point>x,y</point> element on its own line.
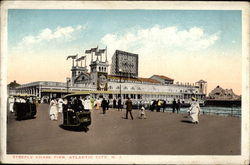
<point>123,81</point>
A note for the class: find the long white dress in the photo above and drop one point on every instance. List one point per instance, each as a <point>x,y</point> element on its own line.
<point>11,104</point>
<point>53,111</point>
<point>194,111</point>
<point>60,105</point>
<point>87,104</point>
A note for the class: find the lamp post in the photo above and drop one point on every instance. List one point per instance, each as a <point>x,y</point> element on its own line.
<point>67,79</point>
<point>120,71</point>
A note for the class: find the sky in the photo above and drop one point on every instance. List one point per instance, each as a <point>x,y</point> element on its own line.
<point>186,45</point>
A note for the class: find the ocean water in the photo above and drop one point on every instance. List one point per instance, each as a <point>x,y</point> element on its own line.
<point>222,111</point>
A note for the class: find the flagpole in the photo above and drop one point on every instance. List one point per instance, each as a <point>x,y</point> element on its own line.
<point>76,60</point>
<point>85,60</point>
<point>106,54</point>
<point>91,56</point>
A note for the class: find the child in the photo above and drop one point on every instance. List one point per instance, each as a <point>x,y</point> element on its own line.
<point>142,114</point>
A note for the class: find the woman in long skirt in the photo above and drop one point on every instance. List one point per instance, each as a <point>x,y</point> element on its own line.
<point>11,104</point>
<point>53,111</point>
<point>194,111</point>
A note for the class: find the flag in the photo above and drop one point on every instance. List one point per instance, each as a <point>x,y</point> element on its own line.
<point>88,51</point>
<point>94,49</point>
<point>81,58</point>
<point>73,57</point>
<point>98,53</point>
<point>101,50</point>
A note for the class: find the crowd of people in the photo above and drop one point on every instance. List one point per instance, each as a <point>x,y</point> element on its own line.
<point>79,103</point>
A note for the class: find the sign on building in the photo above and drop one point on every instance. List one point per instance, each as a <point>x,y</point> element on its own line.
<point>124,64</point>
<point>102,81</point>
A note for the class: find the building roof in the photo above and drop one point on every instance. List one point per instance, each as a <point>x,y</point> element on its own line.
<point>201,81</point>
<point>164,77</point>
<point>140,79</point>
<point>124,52</point>
<point>13,84</point>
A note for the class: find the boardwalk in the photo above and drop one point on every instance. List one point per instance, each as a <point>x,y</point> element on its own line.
<point>159,134</point>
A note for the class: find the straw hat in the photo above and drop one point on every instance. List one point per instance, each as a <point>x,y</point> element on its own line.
<point>194,99</point>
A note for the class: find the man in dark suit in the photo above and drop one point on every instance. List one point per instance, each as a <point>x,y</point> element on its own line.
<point>129,108</point>
<point>114,103</point>
<point>104,105</point>
<point>119,104</point>
<point>174,106</point>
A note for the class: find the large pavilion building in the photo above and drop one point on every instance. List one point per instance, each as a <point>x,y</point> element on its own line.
<point>122,82</point>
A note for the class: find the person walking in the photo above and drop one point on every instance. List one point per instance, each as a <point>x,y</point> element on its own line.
<point>164,104</point>
<point>98,104</point>
<point>194,111</point>
<point>119,104</point>
<point>108,102</point>
<point>53,111</point>
<point>11,104</point>
<point>159,103</point>
<point>114,103</point>
<point>178,106</point>
<point>142,113</point>
<point>128,104</point>
<point>60,105</point>
<point>87,104</point>
<point>174,106</point>
<point>104,105</point>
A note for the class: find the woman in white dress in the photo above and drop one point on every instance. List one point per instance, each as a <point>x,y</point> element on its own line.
<point>53,111</point>
<point>11,104</point>
<point>194,111</point>
<point>60,105</point>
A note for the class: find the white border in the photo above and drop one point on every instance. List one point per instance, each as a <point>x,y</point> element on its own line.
<point>135,159</point>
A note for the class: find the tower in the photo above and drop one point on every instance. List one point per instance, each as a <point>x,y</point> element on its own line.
<point>202,86</point>
<point>76,69</point>
<point>99,68</point>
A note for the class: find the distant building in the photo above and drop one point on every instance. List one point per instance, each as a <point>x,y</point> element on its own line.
<point>122,82</point>
<point>11,87</point>
<point>124,64</point>
<point>219,93</point>
<point>163,79</point>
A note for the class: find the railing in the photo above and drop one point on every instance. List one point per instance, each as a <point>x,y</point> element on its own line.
<point>221,111</point>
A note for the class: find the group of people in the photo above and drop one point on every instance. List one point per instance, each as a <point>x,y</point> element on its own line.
<point>76,103</point>
<point>56,106</point>
<point>19,99</point>
<point>193,111</point>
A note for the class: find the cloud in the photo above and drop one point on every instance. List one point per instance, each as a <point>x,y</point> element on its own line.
<point>62,34</point>
<point>161,39</point>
